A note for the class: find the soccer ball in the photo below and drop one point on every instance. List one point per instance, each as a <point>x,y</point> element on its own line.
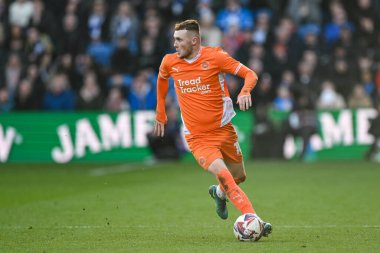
<point>248,227</point>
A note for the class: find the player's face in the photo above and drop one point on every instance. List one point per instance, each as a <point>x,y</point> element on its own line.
<point>183,43</point>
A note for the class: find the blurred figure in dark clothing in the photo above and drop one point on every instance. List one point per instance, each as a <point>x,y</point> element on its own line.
<point>89,96</point>
<point>264,92</point>
<point>24,99</point>
<point>122,60</point>
<point>66,65</point>
<point>170,146</point>
<point>303,123</point>
<point>374,130</point>
<point>266,141</point>
<point>97,22</point>
<point>6,104</point>
<point>70,38</point>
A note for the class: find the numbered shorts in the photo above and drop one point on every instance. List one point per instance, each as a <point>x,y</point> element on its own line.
<point>220,143</point>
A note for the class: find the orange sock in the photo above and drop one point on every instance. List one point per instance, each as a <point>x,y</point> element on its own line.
<point>234,193</point>
<point>237,181</point>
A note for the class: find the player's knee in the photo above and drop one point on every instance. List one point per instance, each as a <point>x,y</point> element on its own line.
<point>240,179</point>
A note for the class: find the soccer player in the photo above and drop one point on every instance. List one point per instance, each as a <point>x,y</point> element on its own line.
<point>207,111</point>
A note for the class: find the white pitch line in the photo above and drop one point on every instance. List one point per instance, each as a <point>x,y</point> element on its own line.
<point>175,226</point>
<point>117,169</point>
<point>127,167</point>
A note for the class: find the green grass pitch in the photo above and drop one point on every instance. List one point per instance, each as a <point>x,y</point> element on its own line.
<point>315,207</point>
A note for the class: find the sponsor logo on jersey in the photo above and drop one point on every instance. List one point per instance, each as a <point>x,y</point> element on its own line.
<point>193,85</point>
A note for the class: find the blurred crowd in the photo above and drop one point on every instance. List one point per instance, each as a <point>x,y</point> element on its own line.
<point>104,55</point>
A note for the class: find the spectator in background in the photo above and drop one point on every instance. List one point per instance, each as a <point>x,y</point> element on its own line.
<point>59,97</point>
<point>89,97</point>
<point>303,122</point>
<point>262,27</point>
<point>233,39</point>
<point>279,60</point>
<point>3,12</point>
<point>374,130</point>
<point>170,146</point>
<point>358,98</point>
<point>338,20</point>
<point>250,51</point>
<point>234,16</point>
<point>154,29</point>
<point>43,19</point>
<point>329,98</point>
<point>284,48</point>
<point>367,23</point>
<point>6,104</point>
<point>14,41</point>
<point>97,22</point>
<point>12,74</point>
<point>115,101</point>
<point>37,44</point>
<point>342,76</point>
<point>65,64</point>
<point>24,99</point>
<point>125,24</point>
<point>306,84</point>
<point>264,93</point>
<point>243,51</point>
<point>38,88</point>
<point>20,12</point>
<point>142,95</point>
<point>234,87</point>
<point>148,57</point>
<point>211,34</point>
<point>256,64</point>
<point>70,38</point>
<point>45,65</point>
<point>285,35</point>
<point>347,42</point>
<point>366,73</point>
<point>283,101</point>
<point>304,11</point>
<point>2,44</point>
<point>85,63</point>
<point>376,97</point>
<point>287,80</point>
<point>122,60</point>
<point>310,38</point>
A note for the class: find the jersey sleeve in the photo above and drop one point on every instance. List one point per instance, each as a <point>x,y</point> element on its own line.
<point>227,64</point>
<point>163,71</point>
<point>234,67</point>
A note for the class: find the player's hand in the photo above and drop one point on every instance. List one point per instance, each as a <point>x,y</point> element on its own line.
<point>159,129</point>
<point>245,102</point>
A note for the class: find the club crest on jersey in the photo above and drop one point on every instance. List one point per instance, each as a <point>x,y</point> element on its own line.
<point>202,160</point>
<point>205,65</point>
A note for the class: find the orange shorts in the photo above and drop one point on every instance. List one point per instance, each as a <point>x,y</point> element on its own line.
<point>219,143</point>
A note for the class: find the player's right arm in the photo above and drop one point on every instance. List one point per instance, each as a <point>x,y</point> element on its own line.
<point>162,90</point>
<point>232,66</point>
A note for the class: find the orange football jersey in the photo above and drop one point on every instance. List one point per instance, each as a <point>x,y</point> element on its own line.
<point>201,88</point>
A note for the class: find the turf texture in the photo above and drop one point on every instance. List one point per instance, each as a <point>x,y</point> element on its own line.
<point>137,207</point>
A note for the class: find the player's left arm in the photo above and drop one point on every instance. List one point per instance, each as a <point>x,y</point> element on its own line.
<point>250,80</point>
<point>234,67</point>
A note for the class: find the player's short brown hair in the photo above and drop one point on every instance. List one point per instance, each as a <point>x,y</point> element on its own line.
<point>190,25</point>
